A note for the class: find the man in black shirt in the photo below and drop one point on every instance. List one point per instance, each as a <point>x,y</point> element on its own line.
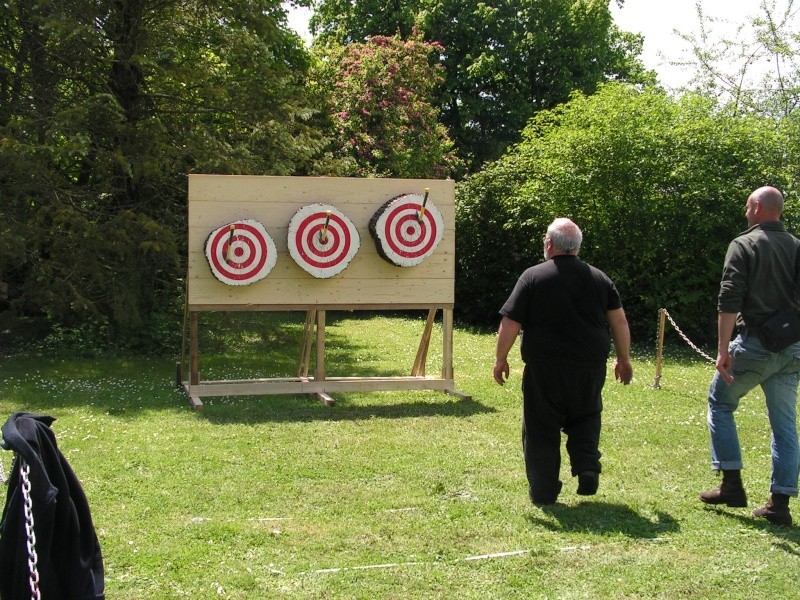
<point>564,307</point>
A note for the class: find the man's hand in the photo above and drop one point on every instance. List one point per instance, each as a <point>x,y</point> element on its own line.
<point>506,335</point>
<point>724,366</point>
<point>501,371</point>
<point>623,371</point>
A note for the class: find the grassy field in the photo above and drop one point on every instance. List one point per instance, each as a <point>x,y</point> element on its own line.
<point>395,494</point>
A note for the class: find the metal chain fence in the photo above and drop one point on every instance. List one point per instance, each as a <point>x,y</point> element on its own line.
<point>33,559</point>
<point>663,315</point>
<point>687,340</point>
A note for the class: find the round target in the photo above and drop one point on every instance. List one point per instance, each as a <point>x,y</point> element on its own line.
<point>241,253</point>
<point>407,229</point>
<point>322,240</point>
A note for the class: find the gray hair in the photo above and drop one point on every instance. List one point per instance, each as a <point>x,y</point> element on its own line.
<point>565,235</point>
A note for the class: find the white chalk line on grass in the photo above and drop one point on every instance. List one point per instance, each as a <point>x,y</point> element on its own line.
<point>478,557</point>
<point>415,563</point>
<point>239,520</point>
<point>491,556</point>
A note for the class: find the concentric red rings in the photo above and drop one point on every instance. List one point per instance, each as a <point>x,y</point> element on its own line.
<point>322,240</point>
<point>240,253</point>
<point>406,234</point>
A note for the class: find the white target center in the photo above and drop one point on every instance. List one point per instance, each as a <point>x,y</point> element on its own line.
<point>322,240</point>
<point>240,253</point>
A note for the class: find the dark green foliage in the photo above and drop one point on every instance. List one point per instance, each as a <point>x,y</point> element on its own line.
<point>105,106</point>
<point>658,186</point>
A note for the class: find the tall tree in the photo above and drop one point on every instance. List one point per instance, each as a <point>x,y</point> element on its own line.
<point>504,59</point>
<point>105,105</point>
<point>755,67</point>
<point>381,108</point>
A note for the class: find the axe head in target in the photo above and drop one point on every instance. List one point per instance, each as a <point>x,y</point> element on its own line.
<point>407,229</point>
<point>241,252</point>
<point>322,240</point>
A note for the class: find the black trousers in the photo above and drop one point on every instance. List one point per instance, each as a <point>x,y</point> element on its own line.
<point>560,398</point>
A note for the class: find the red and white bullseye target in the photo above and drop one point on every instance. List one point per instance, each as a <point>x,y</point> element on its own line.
<point>322,240</point>
<point>241,253</point>
<point>407,229</point>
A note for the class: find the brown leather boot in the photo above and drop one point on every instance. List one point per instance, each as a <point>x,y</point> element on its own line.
<point>730,492</point>
<point>776,510</point>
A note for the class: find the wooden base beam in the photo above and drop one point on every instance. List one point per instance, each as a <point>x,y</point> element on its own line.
<point>295,385</point>
<point>320,385</point>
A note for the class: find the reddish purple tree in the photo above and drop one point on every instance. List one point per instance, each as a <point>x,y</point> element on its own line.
<point>381,107</point>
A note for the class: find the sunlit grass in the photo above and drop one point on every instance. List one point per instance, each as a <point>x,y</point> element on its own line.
<point>394,494</point>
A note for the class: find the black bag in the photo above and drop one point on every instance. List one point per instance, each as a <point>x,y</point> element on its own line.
<point>780,330</point>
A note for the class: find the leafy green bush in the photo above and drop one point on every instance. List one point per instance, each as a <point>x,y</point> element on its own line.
<point>657,184</point>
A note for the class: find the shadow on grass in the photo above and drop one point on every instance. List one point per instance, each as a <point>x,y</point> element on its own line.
<point>280,409</point>
<point>604,518</point>
<point>267,345</point>
<point>789,536</point>
<point>358,344</point>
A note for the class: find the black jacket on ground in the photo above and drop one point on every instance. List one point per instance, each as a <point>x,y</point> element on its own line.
<point>70,563</point>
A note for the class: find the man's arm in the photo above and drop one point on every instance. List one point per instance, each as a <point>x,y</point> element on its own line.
<point>621,334</point>
<point>506,335</point>
<point>726,322</point>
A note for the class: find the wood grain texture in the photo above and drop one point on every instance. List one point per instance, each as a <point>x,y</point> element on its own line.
<point>368,280</point>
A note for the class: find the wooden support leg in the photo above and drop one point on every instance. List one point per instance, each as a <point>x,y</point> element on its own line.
<point>447,353</point>
<point>194,361</point>
<point>194,358</point>
<point>447,343</point>
<point>304,358</point>
<point>418,370</point>
<point>319,370</point>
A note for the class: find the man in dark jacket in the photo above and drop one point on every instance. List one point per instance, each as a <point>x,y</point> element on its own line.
<point>758,279</point>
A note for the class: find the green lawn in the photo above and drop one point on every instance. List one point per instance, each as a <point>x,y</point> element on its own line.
<point>395,494</point>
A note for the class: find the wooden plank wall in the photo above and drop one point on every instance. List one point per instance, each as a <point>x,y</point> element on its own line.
<point>368,281</point>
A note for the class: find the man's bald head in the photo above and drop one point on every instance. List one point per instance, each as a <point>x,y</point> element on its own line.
<point>764,204</point>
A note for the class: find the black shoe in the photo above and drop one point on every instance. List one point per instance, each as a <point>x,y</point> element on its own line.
<point>588,482</point>
<point>540,498</point>
<point>537,501</point>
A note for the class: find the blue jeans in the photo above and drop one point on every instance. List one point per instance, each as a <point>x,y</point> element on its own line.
<point>777,373</point>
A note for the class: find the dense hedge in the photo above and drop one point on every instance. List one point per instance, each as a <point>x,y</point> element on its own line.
<point>657,184</point>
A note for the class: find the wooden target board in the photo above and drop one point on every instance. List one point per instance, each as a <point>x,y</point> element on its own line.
<point>369,281</point>
<point>259,243</point>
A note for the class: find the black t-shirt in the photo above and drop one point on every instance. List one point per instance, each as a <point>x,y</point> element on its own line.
<point>562,305</point>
